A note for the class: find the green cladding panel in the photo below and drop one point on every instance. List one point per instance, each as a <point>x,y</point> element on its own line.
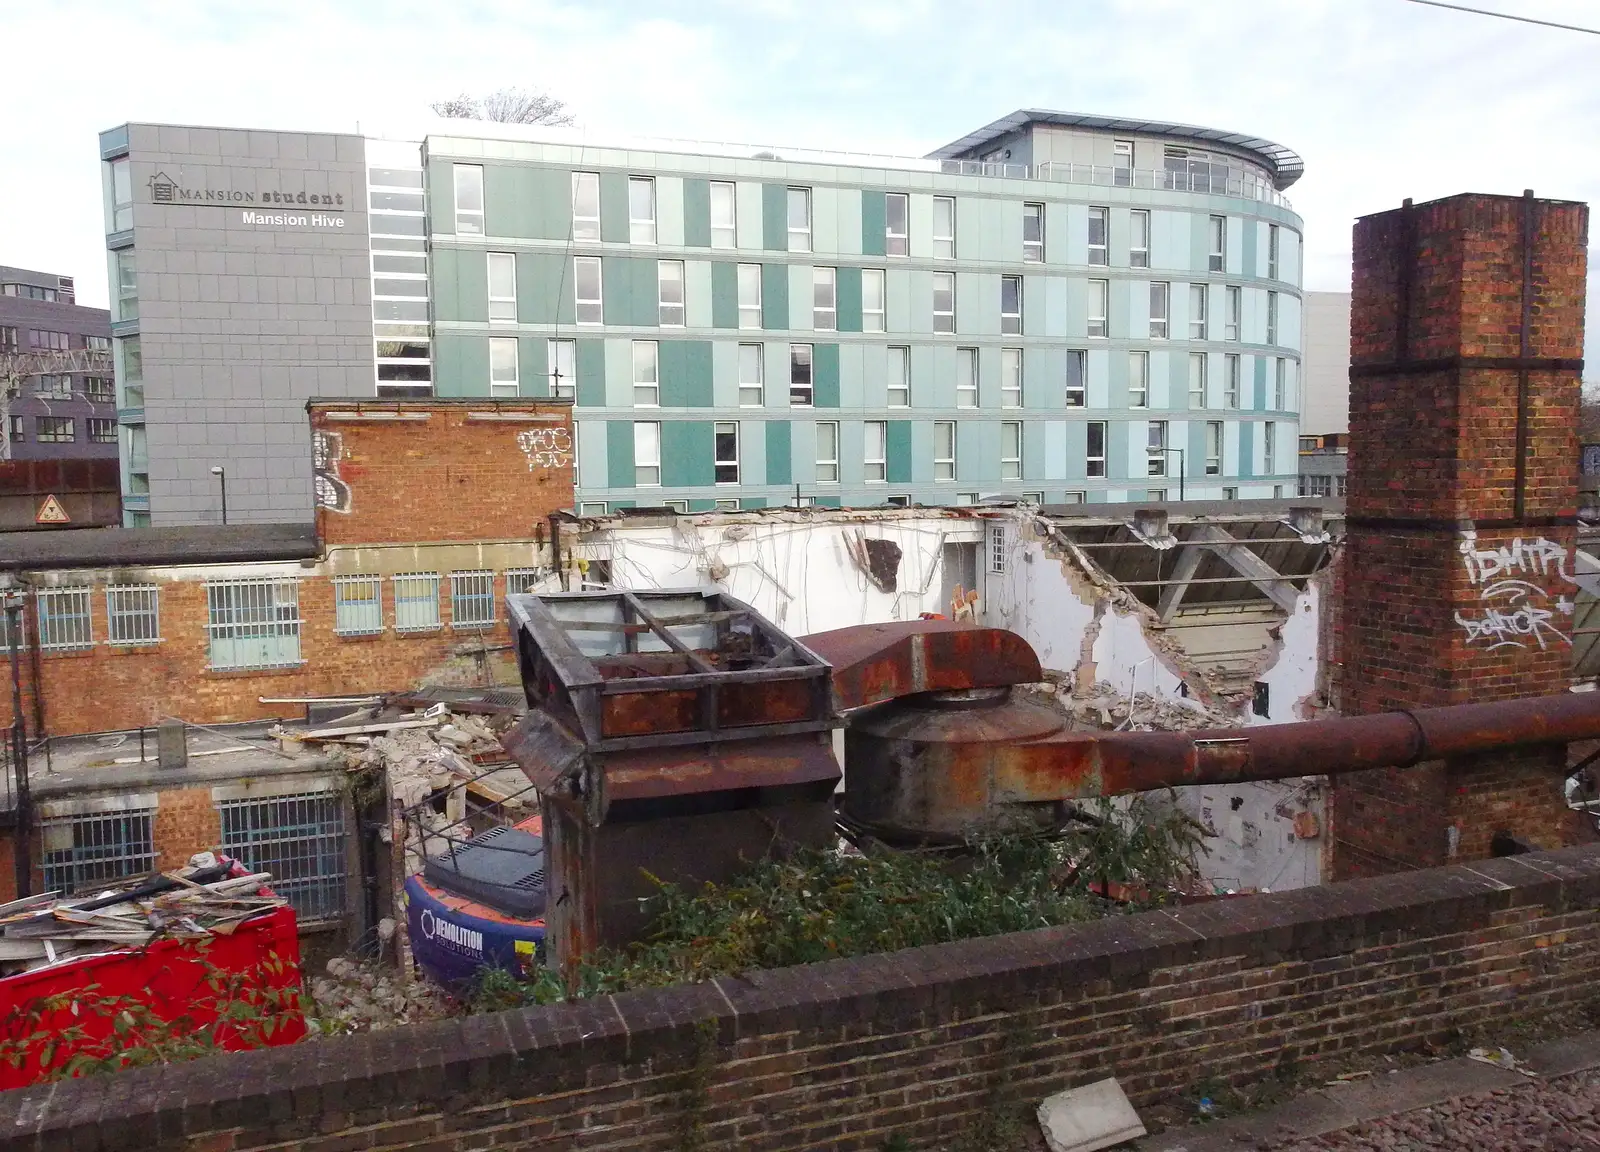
<point>619,454</point>
<point>628,291</point>
<point>1260,374</point>
<point>825,376</point>
<point>544,290</point>
<point>533,366</point>
<point>897,451</point>
<point>872,223</point>
<point>780,469</point>
<point>848,301</point>
<point>591,358</point>
<point>697,213</point>
<point>525,201</point>
<point>460,286</point>
<point>724,295</point>
<point>685,368</point>
<point>775,296</point>
<point>687,453</point>
<point>775,218</point>
<point>1247,448</point>
<point>614,207</point>
<point>461,364</point>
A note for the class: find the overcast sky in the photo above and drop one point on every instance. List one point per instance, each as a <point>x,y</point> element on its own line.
<point>1384,98</point>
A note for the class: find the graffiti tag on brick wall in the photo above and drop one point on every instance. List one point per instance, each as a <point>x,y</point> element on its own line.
<point>1519,605</point>
<point>332,493</point>
<point>546,447</point>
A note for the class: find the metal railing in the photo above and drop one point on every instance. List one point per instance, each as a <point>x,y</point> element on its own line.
<point>1212,183</point>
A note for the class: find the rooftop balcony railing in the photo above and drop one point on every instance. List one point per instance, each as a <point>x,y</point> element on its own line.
<point>1213,180</point>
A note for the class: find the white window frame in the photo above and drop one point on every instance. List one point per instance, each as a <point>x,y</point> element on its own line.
<point>1100,253</point>
<point>1269,449</point>
<point>1099,299</point>
<point>467,180</point>
<point>944,451</point>
<point>898,376</point>
<point>646,373</point>
<point>588,310</point>
<point>585,226</point>
<point>752,376</point>
<point>269,617</point>
<point>896,243</point>
<point>133,615</point>
<point>1122,174</point>
<point>1075,498</point>
<point>561,363</point>
<point>724,468</point>
<point>1138,379</point>
<point>416,602</point>
<point>64,619</point>
<point>874,299</point>
<point>473,589</point>
<point>1199,380</point>
<point>875,451</point>
<point>1213,447</point>
<point>1094,466</point>
<point>944,320</point>
<point>802,394</point>
<point>641,227</point>
<point>1011,450</point>
<point>1199,312</point>
<point>724,194</point>
<point>646,454</point>
<point>1232,380</point>
<point>354,599</point>
<point>749,277</point>
<point>1033,249</point>
<point>1156,447</point>
<point>726,504</point>
<point>1274,240</point>
<point>944,246</point>
<point>1160,309</point>
<point>1077,393</point>
<point>1230,492</point>
<point>999,550</point>
<point>825,299</point>
<point>121,194</point>
<point>521,581</point>
<point>1011,377</point>
<point>1280,384</point>
<point>1272,317</point>
<point>504,369</point>
<point>799,233</point>
<point>669,275</point>
<point>1234,305</point>
<point>967,391</point>
<point>1011,322</point>
<point>502,266</point>
<point>1217,231</point>
<point>827,452</point>
<point>1139,238</point>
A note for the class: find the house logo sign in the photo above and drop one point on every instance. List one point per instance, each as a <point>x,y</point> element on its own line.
<point>165,190</point>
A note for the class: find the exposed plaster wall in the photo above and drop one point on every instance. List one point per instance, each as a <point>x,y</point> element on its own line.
<point>1291,673</point>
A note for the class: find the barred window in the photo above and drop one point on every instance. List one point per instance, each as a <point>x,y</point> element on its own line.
<point>254,623</point>
<point>298,838</point>
<point>416,602</point>
<point>80,851</point>
<point>471,599</point>
<point>64,619</point>
<point>520,580</point>
<point>133,614</point>
<point>357,605</point>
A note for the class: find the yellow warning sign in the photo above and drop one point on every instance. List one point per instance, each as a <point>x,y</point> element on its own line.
<point>51,512</point>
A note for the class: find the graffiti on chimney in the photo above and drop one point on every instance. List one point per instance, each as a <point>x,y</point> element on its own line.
<point>546,447</point>
<point>1521,593</point>
<point>327,449</point>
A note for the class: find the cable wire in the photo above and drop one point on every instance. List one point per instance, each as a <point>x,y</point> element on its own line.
<point>1506,16</point>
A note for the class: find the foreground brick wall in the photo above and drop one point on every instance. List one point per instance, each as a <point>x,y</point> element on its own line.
<point>918,1043</point>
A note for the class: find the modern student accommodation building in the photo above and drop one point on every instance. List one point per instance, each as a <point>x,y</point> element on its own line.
<point>1054,307</point>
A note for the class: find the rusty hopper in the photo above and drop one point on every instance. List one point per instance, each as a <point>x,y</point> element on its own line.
<point>677,734</point>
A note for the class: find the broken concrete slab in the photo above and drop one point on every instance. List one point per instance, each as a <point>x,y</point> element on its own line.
<point>1093,1116</point>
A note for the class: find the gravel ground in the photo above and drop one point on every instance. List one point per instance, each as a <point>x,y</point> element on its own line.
<point>1541,1116</point>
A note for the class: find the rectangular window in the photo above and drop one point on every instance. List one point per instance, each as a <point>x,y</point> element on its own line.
<point>725,445</point>
<point>647,455</point>
<point>641,210</point>
<point>1269,455</point>
<point>133,614</point>
<point>1099,230</point>
<point>502,286</point>
<point>1011,305</point>
<point>472,599</point>
<point>1232,380</point>
<point>127,290</point>
<point>1272,317</point>
<point>64,619</point>
<point>1139,239</point>
<point>357,605</point>
<point>752,391</point>
<point>1033,233</point>
<point>469,199</point>
<point>723,214</point>
<point>121,195</point>
<point>800,381</point>
<point>944,450</point>
<point>1011,450</point>
<point>17,433</point>
<point>966,377</point>
<point>1219,243</point>
<point>253,623</point>
<point>1077,390</point>
<point>1214,448</point>
<point>1198,317</point>
<point>8,338</point>
<point>1199,379</point>
<point>54,429</point>
<point>300,839</point>
<point>102,430</point>
<point>1235,306</point>
<point>896,224</point>
<point>562,357</point>
<point>944,227</point>
<point>899,377</point>
<point>586,290</point>
<point>503,366</point>
<point>81,853</point>
<point>872,299</point>
<point>799,219</point>
<point>1099,294</point>
<point>750,296</point>
<point>726,505</point>
<point>998,552</point>
<point>944,302</point>
<point>1272,251</point>
<point>1158,448</point>
<point>1138,379</point>
<point>1094,461</point>
<point>585,206</point>
<point>1122,163</point>
<point>669,293</point>
<point>1011,377</point>
<point>876,439</point>
<point>1230,493</point>
<point>1160,300</point>
<point>1280,384</point>
<point>828,452</point>
<point>1156,495</point>
<point>825,299</point>
<point>59,387</point>
<point>100,389</point>
<point>646,374</point>
<point>521,581</point>
<point>50,341</point>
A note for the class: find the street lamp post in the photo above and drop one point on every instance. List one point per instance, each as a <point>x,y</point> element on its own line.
<point>1164,452</point>
<point>221,474</point>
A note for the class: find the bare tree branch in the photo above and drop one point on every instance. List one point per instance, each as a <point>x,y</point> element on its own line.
<point>509,106</point>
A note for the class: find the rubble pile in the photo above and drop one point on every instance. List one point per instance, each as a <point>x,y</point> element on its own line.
<point>358,997</point>
<point>1104,706</point>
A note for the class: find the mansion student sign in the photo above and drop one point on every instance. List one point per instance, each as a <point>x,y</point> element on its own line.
<point>263,205</point>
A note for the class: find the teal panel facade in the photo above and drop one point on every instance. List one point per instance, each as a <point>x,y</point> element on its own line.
<point>685,372</point>
<point>847,298</point>
<point>461,364</point>
<point>614,207</point>
<point>775,217</point>
<point>629,291</point>
<point>461,286</point>
<point>696,213</point>
<point>780,468</point>
<point>873,219</point>
<point>527,202</point>
<point>724,295</point>
<point>825,375</point>
<point>619,454</point>
<point>897,451</point>
<point>687,454</point>
<point>544,288</point>
<point>1259,403</point>
<point>775,296</point>
<point>591,366</point>
<point>1247,448</point>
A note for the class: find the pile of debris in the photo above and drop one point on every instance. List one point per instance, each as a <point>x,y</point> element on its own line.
<point>211,897</point>
<point>358,997</point>
<point>1106,707</point>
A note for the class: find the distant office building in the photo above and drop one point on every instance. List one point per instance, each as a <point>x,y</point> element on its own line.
<point>1054,307</point>
<point>1325,396</point>
<point>56,388</point>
